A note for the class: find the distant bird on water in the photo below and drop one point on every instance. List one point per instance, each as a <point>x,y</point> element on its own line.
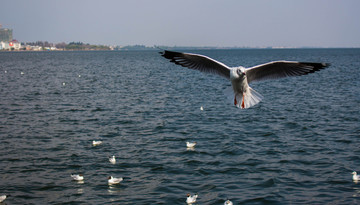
<point>191,199</point>
<point>355,177</point>
<point>190,144</point>
<point>112,180</point>
<point>77,177</point>
<point>96,143</point>
<point>228,202</point>
<point>3,197</point>
<point>112,160</point>
<point>240,77</point>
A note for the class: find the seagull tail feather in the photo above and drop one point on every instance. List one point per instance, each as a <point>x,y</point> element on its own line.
<point>248,99</point>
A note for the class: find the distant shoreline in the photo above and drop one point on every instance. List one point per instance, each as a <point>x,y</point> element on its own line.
<point>180,48</point>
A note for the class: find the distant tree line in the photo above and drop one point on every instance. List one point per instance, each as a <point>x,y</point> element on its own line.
<point>136,47</point>
<point>69,46</point>
<point>82,46</point>
<point>40,43</point>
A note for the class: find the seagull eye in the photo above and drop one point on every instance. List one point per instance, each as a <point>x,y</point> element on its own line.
<point>240,73</point>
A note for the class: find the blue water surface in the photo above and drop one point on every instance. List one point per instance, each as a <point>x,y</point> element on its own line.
<point>298,146</point>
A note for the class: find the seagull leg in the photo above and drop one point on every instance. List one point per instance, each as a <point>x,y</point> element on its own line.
<point>235,101</point>
<point>243,102</point>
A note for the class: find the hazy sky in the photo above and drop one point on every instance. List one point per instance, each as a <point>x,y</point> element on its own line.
<point>255,23</point>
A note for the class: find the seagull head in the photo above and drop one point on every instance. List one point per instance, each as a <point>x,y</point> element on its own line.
<point>354,173</point>
<point>237,72</point>
<point>240,71</point>
<point>227,201</point>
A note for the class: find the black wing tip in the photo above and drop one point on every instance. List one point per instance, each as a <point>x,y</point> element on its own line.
<point>326,64</point>
<point>170,54</point>
<point>163,52</point>
<point>319,65</point>
<point>315,66</point>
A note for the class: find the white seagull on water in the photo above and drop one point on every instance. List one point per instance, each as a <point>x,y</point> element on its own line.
<point>191,199</point>
<point>112,180</point>
<point>112,160</point>
<point>355,177</point>
<point>240,77</point>
<point>228,202</point>
<point>96,143</point>
<point>3,197</point>
<point>190,144</point>
<point>77,177</point>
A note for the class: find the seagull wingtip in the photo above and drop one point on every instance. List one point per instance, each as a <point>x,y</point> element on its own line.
<point>326,64</point>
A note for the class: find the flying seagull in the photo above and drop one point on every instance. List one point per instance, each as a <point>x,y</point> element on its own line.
<point>240,77</point>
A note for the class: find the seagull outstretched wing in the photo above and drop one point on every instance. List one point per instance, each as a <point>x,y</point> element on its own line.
<point>198,62</point>
<point>281,69</point>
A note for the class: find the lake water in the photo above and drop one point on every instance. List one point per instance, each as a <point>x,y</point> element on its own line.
<point>298,146</point>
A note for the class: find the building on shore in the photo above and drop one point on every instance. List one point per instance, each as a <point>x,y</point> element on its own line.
<point>6,40</point>
<point>15,45</point>
<point>6,35</point>
<point>12,45</point>
<point>4,45</point>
